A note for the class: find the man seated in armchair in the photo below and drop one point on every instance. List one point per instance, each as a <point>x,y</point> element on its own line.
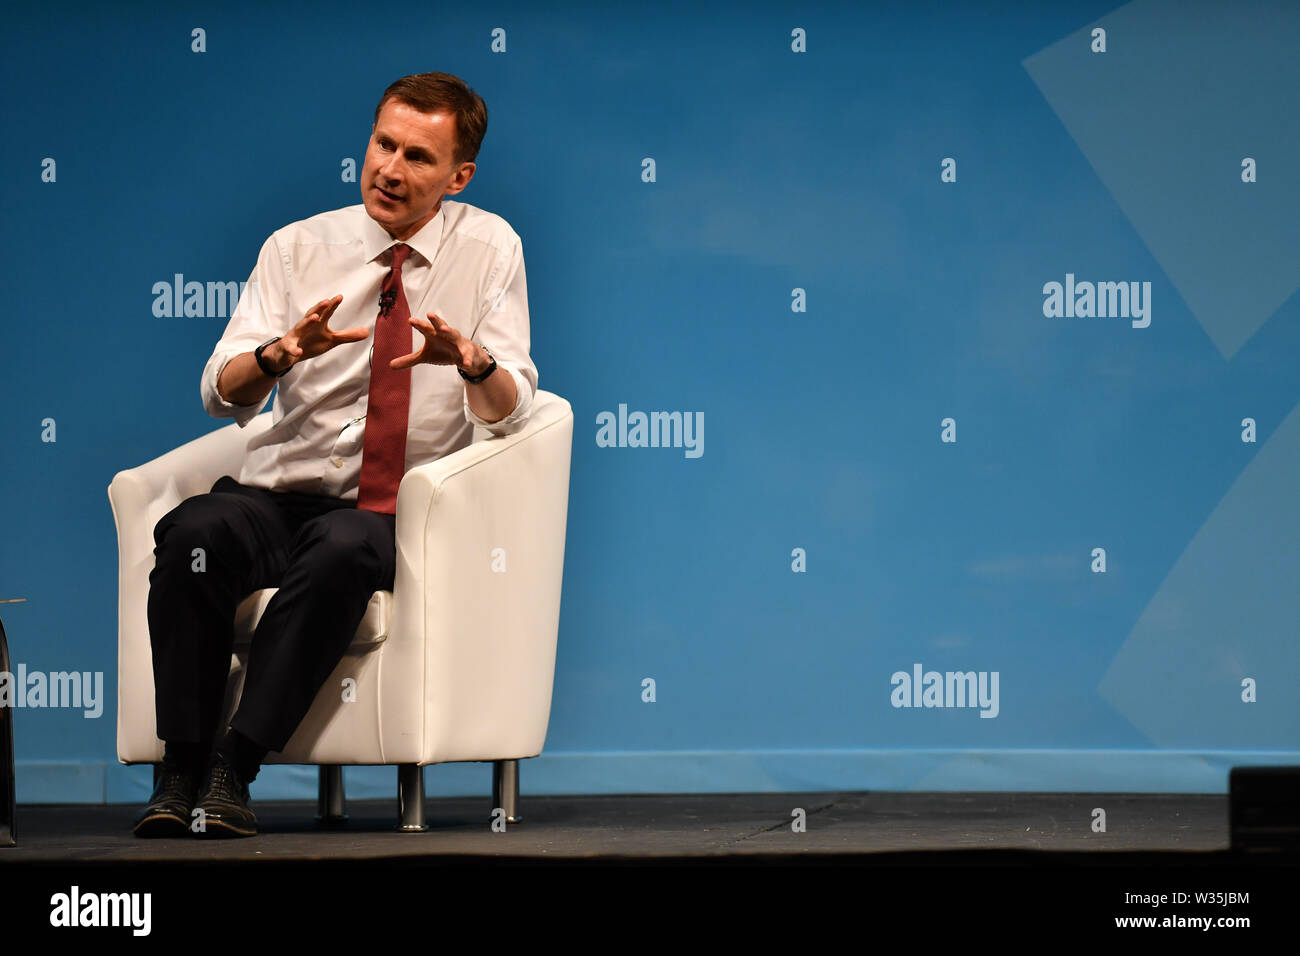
<point>392,328</point>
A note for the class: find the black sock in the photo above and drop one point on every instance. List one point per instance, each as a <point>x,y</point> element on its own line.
<point>187,755</point>
<point>244,755</point>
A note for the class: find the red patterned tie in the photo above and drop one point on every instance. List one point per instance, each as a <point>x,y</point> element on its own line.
<point>383,456</point>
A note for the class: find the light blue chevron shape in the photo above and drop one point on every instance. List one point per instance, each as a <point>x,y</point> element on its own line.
<point>1228,610</point>
<point>1183,94</point>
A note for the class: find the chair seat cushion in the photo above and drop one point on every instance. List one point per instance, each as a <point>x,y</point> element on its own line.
<point>373,628</point>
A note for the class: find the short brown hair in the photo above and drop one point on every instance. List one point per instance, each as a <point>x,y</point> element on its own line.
<point>444,93</point>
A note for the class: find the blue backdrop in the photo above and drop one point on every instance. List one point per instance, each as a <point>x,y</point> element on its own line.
<point>842,262</point>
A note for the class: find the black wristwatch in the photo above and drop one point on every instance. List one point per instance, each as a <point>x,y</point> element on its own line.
<point>475,379</point>
<point>257,355</point>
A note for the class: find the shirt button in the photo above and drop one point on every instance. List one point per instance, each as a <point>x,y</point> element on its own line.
<point>338,462</point>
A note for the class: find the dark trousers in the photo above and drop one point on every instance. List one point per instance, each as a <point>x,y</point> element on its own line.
<point>327,558</point>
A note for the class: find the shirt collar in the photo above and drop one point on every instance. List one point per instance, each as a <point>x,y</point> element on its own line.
<point>377,240</point>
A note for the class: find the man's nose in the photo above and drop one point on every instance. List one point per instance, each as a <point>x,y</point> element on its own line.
<point>392,169</point>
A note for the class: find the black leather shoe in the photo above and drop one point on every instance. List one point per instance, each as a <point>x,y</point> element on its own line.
<point>224,804</point>
<point>169,809</point>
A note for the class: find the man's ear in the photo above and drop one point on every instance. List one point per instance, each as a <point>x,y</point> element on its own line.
<point>463,176</point>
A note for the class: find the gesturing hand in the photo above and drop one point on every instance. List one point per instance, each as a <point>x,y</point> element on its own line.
<point>313,336</point>
<point>443,345</point>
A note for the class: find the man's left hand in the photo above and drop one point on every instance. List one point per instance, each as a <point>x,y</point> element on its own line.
<point>443,345</point>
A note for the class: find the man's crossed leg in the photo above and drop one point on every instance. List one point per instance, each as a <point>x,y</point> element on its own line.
<point>212,551</point>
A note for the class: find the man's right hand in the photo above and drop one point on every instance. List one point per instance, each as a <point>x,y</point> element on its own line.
<point>242,382</point>
<point>311,337</point>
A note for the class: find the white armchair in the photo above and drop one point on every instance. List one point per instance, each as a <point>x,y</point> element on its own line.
<point>456,663</point>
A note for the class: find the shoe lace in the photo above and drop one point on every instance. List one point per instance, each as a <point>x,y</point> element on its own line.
<point>176,782</point>
<point>173,776</point>
<point>223,782</point>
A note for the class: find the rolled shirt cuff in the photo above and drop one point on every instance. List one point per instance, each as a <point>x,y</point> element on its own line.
<point>523,404</point>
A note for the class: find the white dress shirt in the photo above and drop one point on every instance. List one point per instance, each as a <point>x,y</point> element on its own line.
<point>466,266</point>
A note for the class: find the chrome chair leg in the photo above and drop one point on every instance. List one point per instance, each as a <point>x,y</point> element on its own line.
<point>505,789</point>
<point>410,798</point>
<point>331,801</point>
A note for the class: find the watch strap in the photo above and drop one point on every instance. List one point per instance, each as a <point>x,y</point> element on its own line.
<point>257,357</point>
<point>475,379</point>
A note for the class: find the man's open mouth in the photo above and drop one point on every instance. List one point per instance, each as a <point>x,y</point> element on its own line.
<point>389,195</point>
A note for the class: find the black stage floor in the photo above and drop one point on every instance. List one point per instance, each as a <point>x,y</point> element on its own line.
<point>713,826</point>
<point>930,866</point>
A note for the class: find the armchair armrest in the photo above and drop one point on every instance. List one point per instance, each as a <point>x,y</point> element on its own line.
<point>480,557</point>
